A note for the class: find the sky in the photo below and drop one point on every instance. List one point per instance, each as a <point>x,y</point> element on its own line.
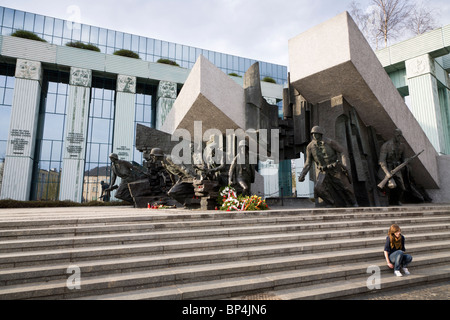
<point>256,29</point>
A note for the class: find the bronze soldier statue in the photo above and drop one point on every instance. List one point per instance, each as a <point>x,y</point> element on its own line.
<point>392,155</point>
<point>333,182</point>
<point>242,173</point>
<point>127,172</point>
<point>181,176</point>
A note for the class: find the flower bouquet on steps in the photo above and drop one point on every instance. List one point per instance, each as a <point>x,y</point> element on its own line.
<point>230,201</point>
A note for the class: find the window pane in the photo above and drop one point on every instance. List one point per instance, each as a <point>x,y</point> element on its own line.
<point>85,31</point>
<point>164,49</point>
<point>142,44</point>
<point>58,29</point>
<point>126,41</point>
<point>119,40</point>
<point>29,21</point>
<point>39,24</point>
<point>102,36</point>
<point>150,46</point>
<point>18,19</point>
<point>135,43</point>
<point>157,51</point>
<point>1,16</point>
<point>5,116</point>
<point>111,39</point>
<point>94,35</point>
<point>48,27</point>
<point>171,53</point>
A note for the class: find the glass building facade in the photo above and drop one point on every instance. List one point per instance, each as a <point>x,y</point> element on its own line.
<point>60,32</point>
<point>48,158</point>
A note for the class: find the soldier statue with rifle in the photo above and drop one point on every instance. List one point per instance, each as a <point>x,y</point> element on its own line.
<point>333,182</point>
<point>393,165</point>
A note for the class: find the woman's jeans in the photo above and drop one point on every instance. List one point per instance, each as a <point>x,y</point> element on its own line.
<point>400,259</point>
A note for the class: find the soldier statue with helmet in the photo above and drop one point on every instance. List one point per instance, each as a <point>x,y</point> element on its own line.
<point>127,173</point>
<point>333,181</point>
<point>242,172</point>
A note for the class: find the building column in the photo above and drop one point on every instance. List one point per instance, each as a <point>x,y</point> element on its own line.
<point>425,106</point>
<point>76,129</point>
<point>124,117</point>
<point>19,158</point>
<point>166,96</point>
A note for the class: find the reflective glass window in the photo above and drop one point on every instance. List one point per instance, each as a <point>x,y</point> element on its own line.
<point>171,52</point>
<point>164,49</point>
<point>8,18</point>
<point>48,26</point>
<point>135,43</point>
<point>150,46</point>
<point>6,92</point>
<point>126,41</point>
<point>19,18</point>
<point>38,23</point>
<point>119,40</point>
<point>67,30</point>
<point>85,33</point>
<point>102,37</point>
<point>111,38</point>
<point>49,144</point>
<point>142,44</point>
<point>29,22</point>
<point>58,28</point>
<point>1,15</point>
<point>93,38</point>
<point>157,48</point>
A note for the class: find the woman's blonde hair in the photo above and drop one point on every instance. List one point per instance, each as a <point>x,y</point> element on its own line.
<point>392,230</point>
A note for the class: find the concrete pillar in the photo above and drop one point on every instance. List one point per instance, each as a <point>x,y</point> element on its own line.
<point>124,117</point>
<point>76,129</point>
<point>19,158</point>
<point>166,96</point>
<point>425,106</point>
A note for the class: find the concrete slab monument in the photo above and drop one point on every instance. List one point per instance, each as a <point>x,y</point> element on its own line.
<point>333,59</point>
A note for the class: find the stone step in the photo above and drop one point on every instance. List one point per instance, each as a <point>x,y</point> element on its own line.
<point>174,228</point>
<point>251,257</point>
<point>347,288</point>
<point>21,219</point>
<point>275,233</point>
<point>207,255</point>
<point>240,246</point>
<point>286,281</point>
<point>208,280</point>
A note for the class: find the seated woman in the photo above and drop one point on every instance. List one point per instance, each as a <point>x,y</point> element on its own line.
<point>394,251</point>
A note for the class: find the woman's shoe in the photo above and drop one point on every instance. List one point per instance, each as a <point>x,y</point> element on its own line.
<point>406,271</point>
<point>398,273</point>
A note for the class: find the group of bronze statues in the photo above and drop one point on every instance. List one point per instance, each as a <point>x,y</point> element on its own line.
<point>333,179</point>
<point>196,185</point>
<point>162,180</point>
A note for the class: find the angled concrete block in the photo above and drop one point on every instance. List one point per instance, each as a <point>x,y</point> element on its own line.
<point>210,96</point>
<point>334,59</point>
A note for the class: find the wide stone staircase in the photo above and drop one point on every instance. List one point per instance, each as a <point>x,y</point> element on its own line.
<point>127,253</point>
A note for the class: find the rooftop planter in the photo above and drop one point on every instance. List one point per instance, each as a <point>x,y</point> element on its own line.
<point>81,45</point>
<point>126,53</point>
<point>167,61</point>
<point>269,79</point>
<point>27,35</point>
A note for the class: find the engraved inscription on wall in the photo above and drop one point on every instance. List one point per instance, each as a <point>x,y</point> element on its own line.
<point>75,143</point>
<point>123,152</point>
<point>19,140</point>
